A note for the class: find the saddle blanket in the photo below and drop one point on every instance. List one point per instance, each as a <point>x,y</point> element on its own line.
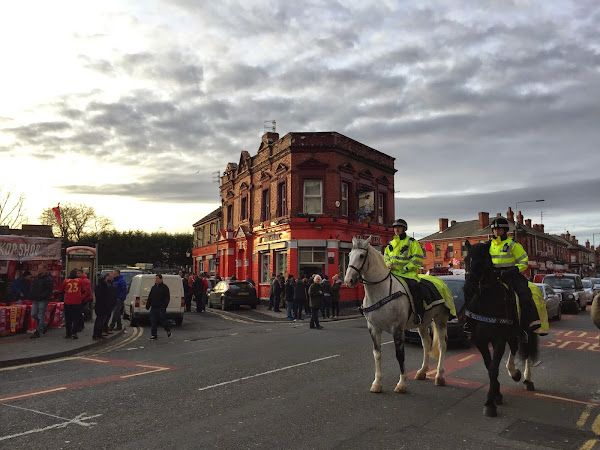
<point>431,289</point>
<point>540,306</point>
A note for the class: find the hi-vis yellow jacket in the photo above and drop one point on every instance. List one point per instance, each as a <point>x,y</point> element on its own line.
<point>405,256</point>
<point>508,253</point>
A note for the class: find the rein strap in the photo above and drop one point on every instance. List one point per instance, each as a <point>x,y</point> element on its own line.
<point>485,319</point>
<point>382,302</point>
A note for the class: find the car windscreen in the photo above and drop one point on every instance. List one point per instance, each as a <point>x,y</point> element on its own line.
<point>560,282</point>
<point>240,286</point>
<point>456,287</point>
<point>587,283</point>
<point>127,276</point>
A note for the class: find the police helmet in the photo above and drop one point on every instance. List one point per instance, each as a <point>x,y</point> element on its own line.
<point>400,223</point>
<point>500,222</point>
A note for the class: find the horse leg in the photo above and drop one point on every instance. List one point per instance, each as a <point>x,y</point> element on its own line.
<point>514,373</point>
<point>489,408</point>
<point>376,337</point>
<point>426,343</point>
<point>442,337</point>
<point>399,344</point>
<point>527,381</point>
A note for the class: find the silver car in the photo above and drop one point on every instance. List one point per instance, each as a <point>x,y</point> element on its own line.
<point>552,300</point>
<point>588,287</point>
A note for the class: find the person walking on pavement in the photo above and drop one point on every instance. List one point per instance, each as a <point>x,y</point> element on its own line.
<point>299,298</point>
<point>103,308</point>
<point>199,293</point>
<point>315,295</point>
<point>276,293</point>
<point>158,300</point>
<point>87,298</point>
<point>71,289</point>
<point>42,288</point>
<point>335,296</point>
<point>120,287</point>
<point>289,296</point>
<point>326,303</point>
<point>187,293</point>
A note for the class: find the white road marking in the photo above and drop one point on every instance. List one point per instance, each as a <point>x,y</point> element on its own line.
<point>267,372</point>
<point>156,369</point>
<point>79,420</point>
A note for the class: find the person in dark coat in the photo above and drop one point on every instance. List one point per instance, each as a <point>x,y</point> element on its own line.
<point>276,293</point>
<point>289,296</point>
<point>103,308</point>
<point>158,300</point>
<point>199,291</point>
<point>21,287</point>
<point>326,303</point>
<point>42,288</point>
<point>315,295</point>
<point>187,292</point>
<point>335,296</point>
<point>299,297</point>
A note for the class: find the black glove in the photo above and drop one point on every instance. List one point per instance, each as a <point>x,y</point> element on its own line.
<point>509,273</point>
<point>148,305</point>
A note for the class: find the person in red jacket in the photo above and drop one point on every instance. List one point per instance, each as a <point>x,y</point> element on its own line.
<point>86,299</point>
<point>71,288</point>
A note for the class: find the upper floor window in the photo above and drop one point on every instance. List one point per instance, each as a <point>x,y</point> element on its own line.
<point>281,200</point>
<point>380,209</point>
<point>265,213</point>
<point>229,217</point>
<point>450,250</point>
<point>244,208</point>
<point>463,249</point>
<point>438,250</point>
<point>344,205</point>
<point>313,197</point>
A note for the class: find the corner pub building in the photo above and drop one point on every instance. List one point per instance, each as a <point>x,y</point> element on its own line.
<point>295,206</point>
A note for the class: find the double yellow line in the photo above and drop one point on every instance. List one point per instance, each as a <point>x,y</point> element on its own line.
<point>588,445</point>
<point>135,335</point>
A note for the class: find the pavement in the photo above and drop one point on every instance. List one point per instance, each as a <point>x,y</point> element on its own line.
<point>20,349</point>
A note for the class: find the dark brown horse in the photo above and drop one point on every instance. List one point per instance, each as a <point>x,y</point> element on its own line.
<point>493,320</point>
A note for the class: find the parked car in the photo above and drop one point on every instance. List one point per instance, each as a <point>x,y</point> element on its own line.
<point>552,300</point>
<point>456,332</point>
<point>595,283</point>
<point>570,287</point>
<point>137,295</point>
<point>127,274</point>
<point>588,287</point>
<point>229,293</point>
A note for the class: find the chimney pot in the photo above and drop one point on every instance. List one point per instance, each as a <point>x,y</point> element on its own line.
<point>528,223</point>
<point>510,215</point>
<point>520,218</point>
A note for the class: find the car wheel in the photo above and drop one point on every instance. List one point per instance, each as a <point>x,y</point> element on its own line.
<point>132,321</point>
<point>178,321</point>
<point>223,306</point>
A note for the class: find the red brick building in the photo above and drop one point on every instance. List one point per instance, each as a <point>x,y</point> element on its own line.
<point>547,253</point>
<point>295,206</point>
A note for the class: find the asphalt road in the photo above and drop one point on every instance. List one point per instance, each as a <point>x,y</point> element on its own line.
<point>225,381</point>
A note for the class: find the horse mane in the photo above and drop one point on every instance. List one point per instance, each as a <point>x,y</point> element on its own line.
<point>361,243</point>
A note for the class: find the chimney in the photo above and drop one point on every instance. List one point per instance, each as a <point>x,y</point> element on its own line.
<point>587,244</point>
<point>443,224</point>
<point>498,215</point>
<point>568,236</point>
<point>452,223</point>
<point>528,223</point>
<point>520,218</point>
<point>542,227</point>
<point>510,215</point>
<point>270,137</point>
<point>484,220</point>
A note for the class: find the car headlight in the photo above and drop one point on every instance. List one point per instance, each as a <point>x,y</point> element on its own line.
<point>570,296</point>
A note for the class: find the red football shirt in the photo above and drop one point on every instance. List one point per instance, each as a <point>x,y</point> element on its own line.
<point>72,290</point>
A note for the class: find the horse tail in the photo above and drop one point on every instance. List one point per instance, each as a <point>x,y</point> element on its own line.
<point>529,349</point>
<point>434,351</point>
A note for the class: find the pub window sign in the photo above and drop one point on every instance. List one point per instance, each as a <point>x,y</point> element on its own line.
<point>366,206</point>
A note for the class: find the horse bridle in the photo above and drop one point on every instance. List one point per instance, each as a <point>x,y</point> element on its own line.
<point>359,270</point>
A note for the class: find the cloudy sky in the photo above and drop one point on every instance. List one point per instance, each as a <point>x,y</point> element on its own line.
<point>131,106</point>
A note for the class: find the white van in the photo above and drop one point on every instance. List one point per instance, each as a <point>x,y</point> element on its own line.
<point>137,296</point>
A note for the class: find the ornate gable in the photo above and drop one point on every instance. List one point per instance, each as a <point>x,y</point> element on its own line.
<point>366,174</point>
<point>312,163</point>
<point>383,180</point>
<point>245,161</point>
<point>347,168</point>
<point>244,186</point>
<point>265,176</point>
<point>281,168</point>
<point>240,233</point>
<point>229,194</point>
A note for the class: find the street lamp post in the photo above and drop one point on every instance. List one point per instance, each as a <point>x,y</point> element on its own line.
<point>517,212</point>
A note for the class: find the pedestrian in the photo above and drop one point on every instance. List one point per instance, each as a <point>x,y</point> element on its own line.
<point>187,292</point>
<point>21,287</point>
<point>289,296</point>
<point>275,294</point>
<point>199,293</point>
<point>71,289</point>
<point>315,295</point>
<point>273,277</point>
<point>103,308</point>
<point>41,290</point>
<point>158,300</point>
<point>120,287</point>
<point>233,277</point>
<point>281,303</point>
<point>87,299</point>
<point>335,296</point>
<point>299,298</point>
<point>326,303</point>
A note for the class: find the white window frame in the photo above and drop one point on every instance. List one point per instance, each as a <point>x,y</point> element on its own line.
<point>320,196</point>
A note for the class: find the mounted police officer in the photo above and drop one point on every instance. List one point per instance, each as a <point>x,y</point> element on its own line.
<point>403,256</point>
<point>510,260</point>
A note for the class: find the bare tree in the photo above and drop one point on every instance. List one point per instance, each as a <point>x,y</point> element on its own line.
<point>76,220</point>
<point>11,208</point>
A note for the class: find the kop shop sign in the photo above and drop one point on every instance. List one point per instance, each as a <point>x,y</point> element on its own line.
<point>21,248</point>
<point>375,240</point>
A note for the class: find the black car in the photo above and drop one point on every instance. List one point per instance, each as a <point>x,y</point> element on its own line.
<point>456,332</point>
<point>232,293</point>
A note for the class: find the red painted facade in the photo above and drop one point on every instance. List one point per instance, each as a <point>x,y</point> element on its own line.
<point>296,205</point>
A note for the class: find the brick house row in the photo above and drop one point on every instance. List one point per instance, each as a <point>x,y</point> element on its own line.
<point>295,206</point>
<point>547,253</point>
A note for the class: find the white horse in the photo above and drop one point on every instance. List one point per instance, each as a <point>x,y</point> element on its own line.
<point>394,315</point>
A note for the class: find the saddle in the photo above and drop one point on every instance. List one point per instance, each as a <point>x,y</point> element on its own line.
<point>431,290</point>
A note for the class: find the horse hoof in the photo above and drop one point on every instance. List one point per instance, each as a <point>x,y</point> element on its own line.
<point>517,376</point>
<point>490,411</point>
<point>400,389</point>
<point>529,385</point>
<point>420,375</point>
<point>376,388</point>
<point>498,400</point>
<point>441,381</point>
